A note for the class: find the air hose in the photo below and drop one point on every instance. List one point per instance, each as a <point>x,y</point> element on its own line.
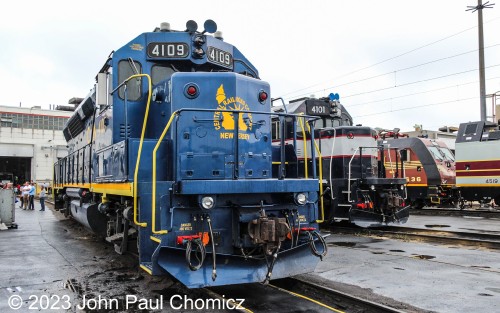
<point>214,266</point>
<point>199,248</point>
<point>315,251</point>
<point>270,267</point>
<point>290,225</point>
<point>298,229</point>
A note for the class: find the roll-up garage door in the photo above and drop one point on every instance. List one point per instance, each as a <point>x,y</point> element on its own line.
<point>16,150</point>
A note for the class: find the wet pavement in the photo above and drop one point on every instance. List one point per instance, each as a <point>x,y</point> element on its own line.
<point>470,224</point>
<point>50,260</point>
<point>52,264</point>
<point>432,277</point>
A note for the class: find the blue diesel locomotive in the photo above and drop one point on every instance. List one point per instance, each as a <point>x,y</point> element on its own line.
<point>172,149</point>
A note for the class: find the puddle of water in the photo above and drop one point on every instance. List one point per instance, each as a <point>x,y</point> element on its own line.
<point>424,257</point>
<point>398,268</point>
<point>437,226</point>
<point>479,266</point>
<point>376,252</point>
<point>485,294</point>
<point>397,251</point>
<point>342,244</point>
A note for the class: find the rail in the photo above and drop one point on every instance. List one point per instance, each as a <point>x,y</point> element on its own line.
<point>349,175</point>
<point>304,139</point>
<point>153,200</point>
<point>331,161</point>
<point>138,161</point>
<point>320,161</point>
<point>62,178</point>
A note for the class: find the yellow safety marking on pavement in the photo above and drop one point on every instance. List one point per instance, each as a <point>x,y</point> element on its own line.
<point>308,299</point>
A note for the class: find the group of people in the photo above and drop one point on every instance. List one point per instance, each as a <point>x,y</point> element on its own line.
<point>28,191</point>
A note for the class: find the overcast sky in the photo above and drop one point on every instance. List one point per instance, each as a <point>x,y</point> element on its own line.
<point>393,63</point>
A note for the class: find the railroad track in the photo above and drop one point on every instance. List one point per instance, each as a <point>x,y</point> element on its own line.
<point>295,295</point>
<point>487,212</point>
<point>486,240</point>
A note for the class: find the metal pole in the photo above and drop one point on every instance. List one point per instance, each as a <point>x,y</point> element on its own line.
<point>482,85</point>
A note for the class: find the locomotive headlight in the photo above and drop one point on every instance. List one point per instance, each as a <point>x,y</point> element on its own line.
<point>372,187</point>
<point>300,198</point>
<point>207,202</point>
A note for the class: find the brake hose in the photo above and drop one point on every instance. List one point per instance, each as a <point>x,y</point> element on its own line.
<point>315,251</point>
<point>270,268</point>
<point>199,247</point>
<point>214,266</point>
<point>290,225</point>
<point>298,229</point>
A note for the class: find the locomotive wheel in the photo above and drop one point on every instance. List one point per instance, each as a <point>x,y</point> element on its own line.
<point>417,204</point>
<point>462,204</point>
<point>66,211</point>
<point>497,200</point>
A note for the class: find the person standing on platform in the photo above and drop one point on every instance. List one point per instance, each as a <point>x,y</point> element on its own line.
<point>32,192</point>
<point>42,196</point>
<point>25,195</point>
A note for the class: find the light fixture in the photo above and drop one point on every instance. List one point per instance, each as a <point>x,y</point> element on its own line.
<point>207,202</point>
<point>300,198</point>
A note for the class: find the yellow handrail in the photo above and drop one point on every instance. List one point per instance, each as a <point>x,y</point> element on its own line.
<point>301,120</point>
<point>153,200</point>
<point>320,170</point>
<point>138,161</point>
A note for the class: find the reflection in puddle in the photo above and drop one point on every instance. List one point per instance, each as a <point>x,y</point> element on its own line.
<point>424,257</point>
<point>342,244</point>
<point>437,226</point>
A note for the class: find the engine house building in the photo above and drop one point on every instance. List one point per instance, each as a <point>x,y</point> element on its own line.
<point>31,140</point>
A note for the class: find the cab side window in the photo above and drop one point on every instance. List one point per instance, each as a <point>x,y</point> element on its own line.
<point>127,68</point>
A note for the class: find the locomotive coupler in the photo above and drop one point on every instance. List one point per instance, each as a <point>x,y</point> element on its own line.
<point>268,232</point>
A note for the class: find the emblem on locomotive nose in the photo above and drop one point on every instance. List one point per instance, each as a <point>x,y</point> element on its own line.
<point>226,120</point>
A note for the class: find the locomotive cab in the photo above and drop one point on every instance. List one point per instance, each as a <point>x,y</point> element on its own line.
<point>356,188</point>
<point>429,169</point>
<point>477,150</point>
